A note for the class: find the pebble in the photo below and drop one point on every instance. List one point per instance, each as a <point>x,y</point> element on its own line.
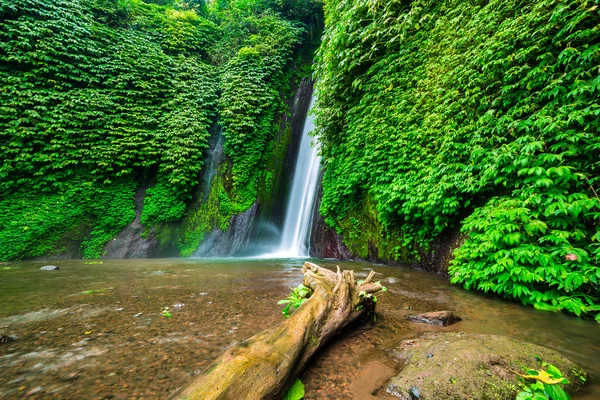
<point>49,268</point>
<point>6,339</point>
<point>17,380</point>
<point>35,390</point>
<point>69,377</point>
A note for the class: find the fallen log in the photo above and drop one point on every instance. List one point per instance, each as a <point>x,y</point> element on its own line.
<point>265,365</point>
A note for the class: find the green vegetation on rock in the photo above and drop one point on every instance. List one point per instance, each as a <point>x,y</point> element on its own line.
<point>100,97</point>
<point>479,116</point>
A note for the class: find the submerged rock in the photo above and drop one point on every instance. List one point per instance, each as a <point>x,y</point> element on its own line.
<point>49,268</point>
<point>6,339</point>
<point>471,366</point>
<point>442,318</point>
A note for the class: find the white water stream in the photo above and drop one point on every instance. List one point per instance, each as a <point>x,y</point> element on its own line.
<point>295,238</point>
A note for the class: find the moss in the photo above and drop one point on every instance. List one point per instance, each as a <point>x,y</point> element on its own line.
<point>215,212</point>
<point>165,235</point>
<point>454,365</point>
<point>272,179</point>
<point>365,235</point>
<point>78,219</point>
<point>68,245</point>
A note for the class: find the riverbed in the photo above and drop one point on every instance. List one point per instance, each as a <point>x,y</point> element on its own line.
<point>96,330</point>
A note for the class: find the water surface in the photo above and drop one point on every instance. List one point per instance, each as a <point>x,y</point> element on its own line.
<point>96,331</point>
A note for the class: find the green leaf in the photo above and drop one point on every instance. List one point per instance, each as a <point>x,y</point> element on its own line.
<point>553,371</point>
<point>524,396</point>
<point>295,392</point>
<point>556,392</point>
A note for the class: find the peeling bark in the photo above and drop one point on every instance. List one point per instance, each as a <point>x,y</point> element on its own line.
<point>265,365</point>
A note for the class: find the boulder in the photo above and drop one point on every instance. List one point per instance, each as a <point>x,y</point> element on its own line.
<point>466,366</point>
<point>49,268</point>
<point>441,318</point>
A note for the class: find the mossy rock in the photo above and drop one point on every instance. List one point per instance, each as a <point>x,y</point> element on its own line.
<point>471,366</point>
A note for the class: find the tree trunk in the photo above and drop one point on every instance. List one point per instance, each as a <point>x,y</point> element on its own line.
<point>265,365</point>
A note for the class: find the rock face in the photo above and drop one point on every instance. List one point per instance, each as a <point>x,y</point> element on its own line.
<point>470,366</point>
<point>131,241</point>
<point>324,241</point>
<point>49,268</point>
<point>440,318</point>
<point>235,239</point>
<point>441,252</point>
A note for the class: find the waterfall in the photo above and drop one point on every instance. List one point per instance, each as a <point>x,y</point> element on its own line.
<point>295,239</point>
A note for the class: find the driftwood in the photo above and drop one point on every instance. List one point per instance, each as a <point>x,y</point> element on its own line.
<point>265,365</point>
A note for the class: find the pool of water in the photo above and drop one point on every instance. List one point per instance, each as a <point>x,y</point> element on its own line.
<point>96,331</point>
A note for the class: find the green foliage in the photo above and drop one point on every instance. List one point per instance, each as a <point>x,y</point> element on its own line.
<point>162,203</point>
<point>433,111</point>
<point>101,93</point>
<point>250,103</point>
<point>35,224</point>
<point>79,94</point>
<point>87,100</point>
<point>546,385</point>
<point>295,392</point>
<point>295,299</point>
<point>518,247</point>
<point>166,313</point>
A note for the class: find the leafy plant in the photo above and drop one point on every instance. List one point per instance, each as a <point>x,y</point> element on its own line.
<point>546,385</point>
<point>479,116</point>
<point>297,296</point>
<point>166,313</point>
<point>295,392</point>
<point>99,96</point>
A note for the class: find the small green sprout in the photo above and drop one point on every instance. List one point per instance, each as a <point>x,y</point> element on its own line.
<point>295,299</point>
<point>166,313</point>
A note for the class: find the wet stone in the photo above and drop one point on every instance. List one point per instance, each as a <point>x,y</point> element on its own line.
<point>414,392</point>
<point>6,339</point>
<point>69,377</point>
<point>49,268</point>
<point>17,380</point>
<point>440,318</point>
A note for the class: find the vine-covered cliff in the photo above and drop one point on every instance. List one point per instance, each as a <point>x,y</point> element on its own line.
<point>103,99</point>
<point>481,116</point>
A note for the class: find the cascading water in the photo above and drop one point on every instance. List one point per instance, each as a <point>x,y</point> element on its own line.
<point>295,239</point>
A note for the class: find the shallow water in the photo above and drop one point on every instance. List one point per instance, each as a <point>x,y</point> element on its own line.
<point>96,331</point>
